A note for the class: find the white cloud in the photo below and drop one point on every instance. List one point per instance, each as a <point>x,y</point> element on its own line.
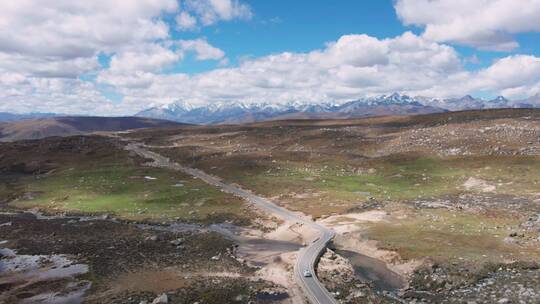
<point>208,12</point>
<point>186,22</point>
<point>202,49</point>
<point>353,66</point>
<point>62,38</point>
<point>60,95</point>
<point>38,66</point>
<point>137,67</point>
<point>355,50</point>
<point>512,76</point>
<point>349,68</point>
<point>70,29</point>
<point>485,24</point>
<point>44,54</point>
<point>47,45</point>
<point>147,58</point>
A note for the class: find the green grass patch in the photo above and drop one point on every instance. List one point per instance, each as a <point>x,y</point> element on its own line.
<point>348,184</point>
<point>320,184</point>
<point>133,192</point>
<point>447,236</point>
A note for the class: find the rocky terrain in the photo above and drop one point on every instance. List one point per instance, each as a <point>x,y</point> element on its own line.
<point>70,255</point>
<point>458,190</point>
<point>503,283</point>
<point>113,262</point>
<point>440,208</point>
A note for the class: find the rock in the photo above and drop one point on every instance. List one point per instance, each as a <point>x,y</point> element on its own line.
<point>152,238</point>
<point>177,242</point>
<point>510,240</point>
<point>162,299</point>
<point>240,298</point>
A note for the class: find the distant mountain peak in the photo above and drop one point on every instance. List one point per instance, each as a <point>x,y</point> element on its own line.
<point>395,104</point>
<point>179,105</point>
<point>500,99</point>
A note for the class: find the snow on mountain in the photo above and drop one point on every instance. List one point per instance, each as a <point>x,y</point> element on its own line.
<point>456,104</point>
<point>382,100</point>
<point>394,104</point>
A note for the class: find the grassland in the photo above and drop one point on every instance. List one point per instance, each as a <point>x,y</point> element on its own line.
<point>110,181</point>
<point>449,237</point>
<point>486,169</point>
<point>325,186</point>
<point>132,193</point>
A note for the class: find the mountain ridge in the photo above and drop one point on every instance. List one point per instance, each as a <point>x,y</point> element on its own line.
<point>394,104</point>
<point>7,116</point>
<point>73,125</point>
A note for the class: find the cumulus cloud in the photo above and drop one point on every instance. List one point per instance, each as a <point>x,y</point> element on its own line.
<point>202,49</point>
<point>71,29</point>
<point>48,46</point>
<point>146,58</point>
<point>137,67</point>
<point>48,67</point>
<point>49,59</point>
<point>349,68</point>
<point>513,76</point>
<point>353,66</point>
<point>185,21</point>
<point>61,38</point>
<point>60,95</point>
<point>208,12</point>
<point>485,24</point>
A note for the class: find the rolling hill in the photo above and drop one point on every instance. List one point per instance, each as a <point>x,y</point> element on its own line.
<point>67,126</point>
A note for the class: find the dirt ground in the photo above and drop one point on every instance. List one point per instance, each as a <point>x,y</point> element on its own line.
<point>119,263</point>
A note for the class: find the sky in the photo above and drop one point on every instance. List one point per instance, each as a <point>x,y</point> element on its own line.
<point>105,57</point>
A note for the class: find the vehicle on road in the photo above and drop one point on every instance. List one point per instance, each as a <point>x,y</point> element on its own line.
<point>307,274</point>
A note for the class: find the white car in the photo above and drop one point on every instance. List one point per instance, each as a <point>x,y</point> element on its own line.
<point>307,274</point>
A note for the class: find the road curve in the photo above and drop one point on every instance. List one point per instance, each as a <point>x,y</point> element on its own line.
<point>307,257</point>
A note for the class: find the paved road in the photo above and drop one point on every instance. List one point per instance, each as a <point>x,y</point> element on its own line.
<point>307,257</point>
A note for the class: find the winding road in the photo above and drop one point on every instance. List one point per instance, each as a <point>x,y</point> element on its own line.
<point>307,257</point>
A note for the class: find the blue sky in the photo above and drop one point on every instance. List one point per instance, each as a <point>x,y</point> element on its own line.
<point>287,26</point>
<point>279,26</point>
<point>120,57</point>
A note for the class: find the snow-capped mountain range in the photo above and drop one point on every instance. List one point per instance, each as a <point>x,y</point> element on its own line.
<point>395,104</point>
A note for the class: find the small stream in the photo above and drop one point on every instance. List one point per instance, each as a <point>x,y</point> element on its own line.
<point>368,269</point>
<point>24,272</point>
<point>249,248</point>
